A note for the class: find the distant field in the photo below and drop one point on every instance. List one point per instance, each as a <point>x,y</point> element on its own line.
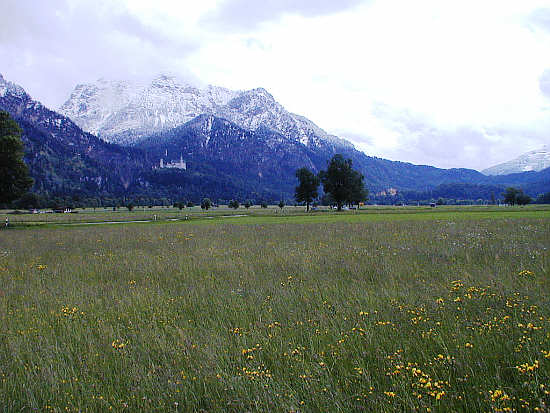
<point>388,309</point>
<point>274,214</point>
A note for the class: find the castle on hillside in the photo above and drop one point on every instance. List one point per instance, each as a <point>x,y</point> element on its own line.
<point>181,164</point>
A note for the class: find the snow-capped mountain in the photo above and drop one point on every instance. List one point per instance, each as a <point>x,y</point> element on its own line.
<point>125,112</point>
<point>61,155</point>
<point>536,160</point>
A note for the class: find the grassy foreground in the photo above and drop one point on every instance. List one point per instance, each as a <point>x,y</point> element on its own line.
<point>344,315</point>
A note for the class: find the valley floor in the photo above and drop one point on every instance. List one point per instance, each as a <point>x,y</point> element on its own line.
<point>380,310</point>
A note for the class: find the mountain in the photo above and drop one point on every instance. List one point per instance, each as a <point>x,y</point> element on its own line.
<point>66,161</point>
<point>62,158</point>
<point>250,148</point>
<point>263,161</point>
<point>536,160</point>
<point>267,159</point>
<point>126,112</point>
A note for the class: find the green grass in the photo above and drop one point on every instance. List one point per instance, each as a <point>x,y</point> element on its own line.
<point>445,310</point>
<point>274,215</point>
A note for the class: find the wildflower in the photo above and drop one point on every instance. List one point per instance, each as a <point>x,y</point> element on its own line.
<point>526,273</point>
<point>528,368</point>
<point>118,344</point>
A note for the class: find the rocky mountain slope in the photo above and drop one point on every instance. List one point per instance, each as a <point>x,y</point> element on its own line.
<point>536,160</point>
<point>61,156</point>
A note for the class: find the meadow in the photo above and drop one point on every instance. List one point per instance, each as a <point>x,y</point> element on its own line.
<point>386,310</point>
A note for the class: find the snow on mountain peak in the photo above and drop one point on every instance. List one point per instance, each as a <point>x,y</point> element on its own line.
<point>536,160</point>
<point>11,89</point>
<point>125,112</point>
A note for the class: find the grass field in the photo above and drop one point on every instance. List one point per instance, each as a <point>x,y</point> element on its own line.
<point>383,310</point>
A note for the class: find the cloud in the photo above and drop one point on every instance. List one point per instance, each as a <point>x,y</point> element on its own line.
<point>442,83</point>
<point>246,15</point>
<point>544,83</point>
<point>49,47</point>
<point>423,142</point>
<point>540,18</point>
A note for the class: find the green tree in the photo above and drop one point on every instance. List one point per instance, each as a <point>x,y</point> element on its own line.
<point>342,183</point>
<point>234,204</point>
<point>248,204</point>
<point>263,204</point>
<point>522,198</point>
<point>14,173</point>
<point>358,192</point>
<point>307,189</point>
<point>130,206</point>
<point>206,203</point>
<point>281,204</point>
<point>544,198</point>
<point>511,195</point>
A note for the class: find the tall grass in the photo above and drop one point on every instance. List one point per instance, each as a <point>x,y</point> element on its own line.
<point>448,315</point>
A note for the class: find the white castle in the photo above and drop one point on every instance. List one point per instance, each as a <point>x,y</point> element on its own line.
<point>181,164</point>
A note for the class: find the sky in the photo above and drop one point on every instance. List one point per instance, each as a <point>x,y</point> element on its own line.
<point>444,83</point>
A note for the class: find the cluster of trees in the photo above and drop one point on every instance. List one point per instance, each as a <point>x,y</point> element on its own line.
<point>341,183</point>
<point>514,196</point>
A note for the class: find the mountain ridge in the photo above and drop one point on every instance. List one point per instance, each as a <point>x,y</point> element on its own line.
<point>222,158</point>
<point>535,160</point>
<point>125,112</point>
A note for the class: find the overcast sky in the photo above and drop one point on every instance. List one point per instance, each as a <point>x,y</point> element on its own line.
<point>446,83</point>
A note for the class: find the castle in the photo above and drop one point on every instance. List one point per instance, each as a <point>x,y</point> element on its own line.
<point>181,164</point>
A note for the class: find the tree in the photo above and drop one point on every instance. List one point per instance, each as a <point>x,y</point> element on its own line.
<point>307,189</point>
<point>358,192</point>
<point>511,195</point>
<point>130,206</point>
<point>206,203</point>
<point>248,204</point>
<point>544,198</point>
<point>14,173</point>
<point>523,199</point>
<point>233,204</point>
<point>281,204</point>
<point>263,204</point>
<point>342,183</point>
